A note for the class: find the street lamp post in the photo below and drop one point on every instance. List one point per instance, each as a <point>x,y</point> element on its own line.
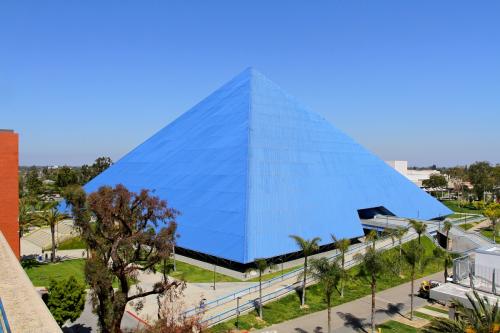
<point>214,276</point>
<point>238,312</point>
<point>281,268</point>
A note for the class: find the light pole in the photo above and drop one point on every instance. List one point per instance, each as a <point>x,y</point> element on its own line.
<point>214,277</point>
<point>238,312</point>
<point>282,269</point>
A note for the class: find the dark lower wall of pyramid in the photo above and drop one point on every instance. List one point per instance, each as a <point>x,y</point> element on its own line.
<point>233,265</point>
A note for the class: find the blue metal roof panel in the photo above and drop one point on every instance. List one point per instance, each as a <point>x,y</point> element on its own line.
<point>249,165</point>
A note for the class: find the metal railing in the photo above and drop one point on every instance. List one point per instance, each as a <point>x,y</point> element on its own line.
<point>252,304</point>
<point>4,323</point>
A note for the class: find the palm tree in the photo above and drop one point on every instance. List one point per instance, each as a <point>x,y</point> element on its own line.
<point>419,228</point>
<point>447,260</point>
<point>51,217</point>
<point>261,265</point>
<point>414,255</point>
<point>372,237</point>
<point>342,245</point>
<point>371,266</point>
<point>399,234</point>
<point>446,228</point>
<point>25,216</point>
<point>307,247</point>
<point>483,317</point>
<point>328,274</point>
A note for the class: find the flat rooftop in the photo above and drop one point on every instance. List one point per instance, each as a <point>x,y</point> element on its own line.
<point>451,291</point>
<point>25,310</point>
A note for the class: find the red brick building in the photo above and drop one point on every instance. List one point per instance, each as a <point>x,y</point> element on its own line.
<point>9,188</point>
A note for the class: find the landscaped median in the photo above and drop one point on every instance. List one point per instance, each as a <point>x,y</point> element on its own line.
<point>288,307</point>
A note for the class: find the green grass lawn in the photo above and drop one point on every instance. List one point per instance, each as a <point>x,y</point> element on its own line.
<point>433,308</point>
<point>75,243</point>
<point>396,327</point>
<point>423,315</point>
<point>288,307</point>
<point>41,274</point>
<point>190,273</point>
<point>466,226</point>
<point>269,276</point>
<point>488,232</point>
<point>454,206</point>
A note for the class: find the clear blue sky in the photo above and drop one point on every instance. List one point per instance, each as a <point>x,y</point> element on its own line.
<point>415,80</point>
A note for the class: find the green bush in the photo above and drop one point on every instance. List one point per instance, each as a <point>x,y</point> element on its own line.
<point>66,299</point>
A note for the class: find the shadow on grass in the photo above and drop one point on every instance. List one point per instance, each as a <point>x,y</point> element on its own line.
<point>392,309</point>
<point>350,320</point>
<point>77,328</point>
<point>30,263</point>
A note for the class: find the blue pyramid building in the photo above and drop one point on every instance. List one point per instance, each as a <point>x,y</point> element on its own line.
<point>249,166</point>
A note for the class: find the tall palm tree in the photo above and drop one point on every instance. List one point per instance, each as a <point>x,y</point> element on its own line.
<point>327,273</point>
<point>446,228</point>
<point>307,247</point>
<point>342,245</point>
<point>25,216</point>
<point>414,255</point>
<point>261,265</point>
<point>399,234</point>
<point>51,217</point>
<point>483,317</point>
<point>419,228</point>
<point>372,237</point>
<point>372,265</point>
<point>447,260</point>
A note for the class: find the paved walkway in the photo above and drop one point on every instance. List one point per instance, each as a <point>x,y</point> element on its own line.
<point>355,316</point>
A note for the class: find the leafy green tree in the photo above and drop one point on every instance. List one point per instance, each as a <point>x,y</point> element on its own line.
<point>435,181</point>
<point>483,317</point>
<point>33,182</point>
<point>414,255</point>
<point>492,211</point>
<point>261,265</point>
<point>51,217</point>
<point>66,176</point>
<point>66,299</point>
<point>101,164</point>
<point>307,247</point>
<point>371,266</point>
<point>342,245</point>
<point>119,228</point>
<point>90,172</point>
<point>481,177</point>
<point>327,273</point>
<point>447,260</point>
<point>419,228</point>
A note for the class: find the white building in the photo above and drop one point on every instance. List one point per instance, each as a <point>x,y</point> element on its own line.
<point>416,176</point>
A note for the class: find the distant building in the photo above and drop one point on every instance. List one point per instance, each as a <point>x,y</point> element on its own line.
<point>9,188</point>
<point>416,176</point>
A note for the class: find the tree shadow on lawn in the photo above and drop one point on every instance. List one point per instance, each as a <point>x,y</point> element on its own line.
<point>392,309</point>
<point>350,320</point>
<point>318,329</point>
<point>77,328</point>
<point>30,263</point>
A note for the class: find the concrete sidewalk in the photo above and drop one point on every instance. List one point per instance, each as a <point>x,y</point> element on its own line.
<point>354,316</point>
